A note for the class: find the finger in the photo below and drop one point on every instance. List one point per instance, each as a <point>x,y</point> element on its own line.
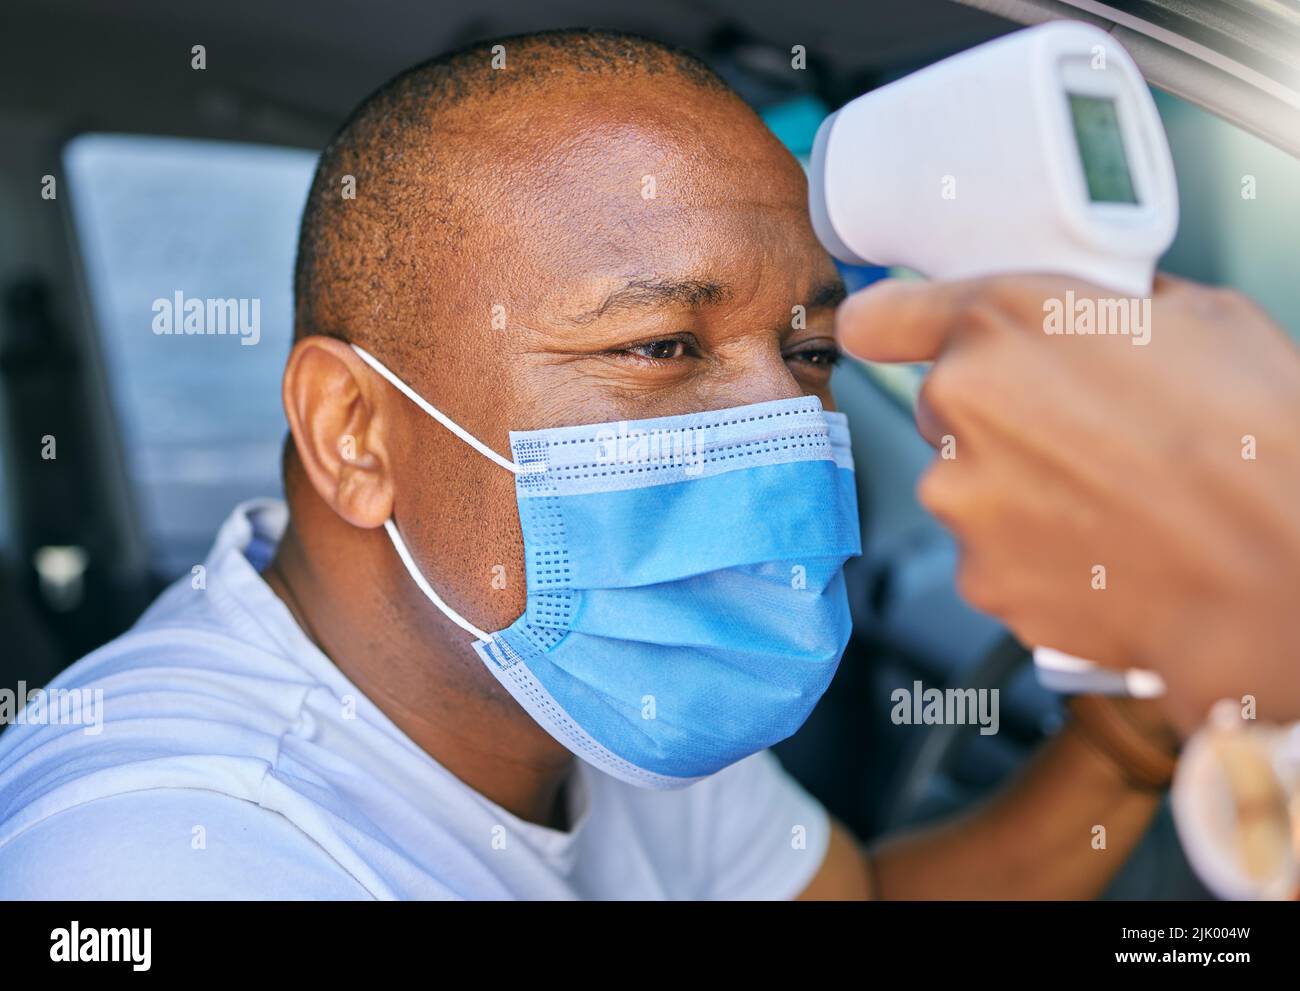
<point>894,320</point>
<point>929,423</point>
<point>939,493</point>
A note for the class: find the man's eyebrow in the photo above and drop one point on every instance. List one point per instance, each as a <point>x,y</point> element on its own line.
<point>657,292</point>
<point>692,292</point>
<point>827,294</point>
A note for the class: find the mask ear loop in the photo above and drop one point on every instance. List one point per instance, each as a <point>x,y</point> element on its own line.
<point>398,543</point>
<point>438,415</point>
<point>427,589</point>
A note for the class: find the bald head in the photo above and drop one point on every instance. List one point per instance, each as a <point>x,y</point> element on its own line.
<point>404,182</point>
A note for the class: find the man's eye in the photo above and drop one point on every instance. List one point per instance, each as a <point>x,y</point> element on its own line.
<point>818,357</point>
<point>665,350</point>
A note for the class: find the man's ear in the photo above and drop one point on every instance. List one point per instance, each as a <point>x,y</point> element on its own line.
<point>334,404</point>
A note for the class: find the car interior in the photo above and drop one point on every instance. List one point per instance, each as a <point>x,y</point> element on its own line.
<point>126,175</point>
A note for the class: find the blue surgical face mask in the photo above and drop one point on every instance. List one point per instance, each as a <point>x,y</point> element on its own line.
<point>686,602</point>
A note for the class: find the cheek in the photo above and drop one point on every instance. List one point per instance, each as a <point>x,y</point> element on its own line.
<point>822,390</point>
<point>459,510</point>
<point>565,393</point>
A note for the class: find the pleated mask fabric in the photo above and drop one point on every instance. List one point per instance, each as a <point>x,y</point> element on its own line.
<point>686,604</point>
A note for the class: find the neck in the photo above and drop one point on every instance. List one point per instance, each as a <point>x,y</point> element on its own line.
<point>421,672</point>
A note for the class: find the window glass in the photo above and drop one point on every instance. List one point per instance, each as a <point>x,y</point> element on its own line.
<point>1239,202</point>
<point>188,248</point>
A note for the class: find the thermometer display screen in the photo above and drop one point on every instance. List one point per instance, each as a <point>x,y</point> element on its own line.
<point>1101,149</point>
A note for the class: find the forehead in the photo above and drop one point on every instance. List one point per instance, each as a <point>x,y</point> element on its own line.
<point>628,180</point>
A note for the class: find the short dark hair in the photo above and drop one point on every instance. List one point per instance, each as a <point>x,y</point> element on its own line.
<point>384,144</point>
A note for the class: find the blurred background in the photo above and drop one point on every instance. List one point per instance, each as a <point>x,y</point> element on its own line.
<point>169,179</point>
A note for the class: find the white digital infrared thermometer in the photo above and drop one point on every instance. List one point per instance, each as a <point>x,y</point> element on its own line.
<point>1041,151</point>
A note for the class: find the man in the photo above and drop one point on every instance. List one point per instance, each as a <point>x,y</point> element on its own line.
<point>596,230</point>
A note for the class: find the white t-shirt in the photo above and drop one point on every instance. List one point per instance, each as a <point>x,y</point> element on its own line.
<point>234,760</point>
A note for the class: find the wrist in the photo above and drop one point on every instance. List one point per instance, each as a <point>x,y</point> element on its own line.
<point>1132,735</point>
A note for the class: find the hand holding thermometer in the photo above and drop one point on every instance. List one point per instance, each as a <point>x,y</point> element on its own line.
<point>1039,152</point>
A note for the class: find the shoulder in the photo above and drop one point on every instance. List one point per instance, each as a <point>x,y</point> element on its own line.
<point>169,844</point>
<point>153,707</point>
<point>143,765</point>
<point>191,661</point>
